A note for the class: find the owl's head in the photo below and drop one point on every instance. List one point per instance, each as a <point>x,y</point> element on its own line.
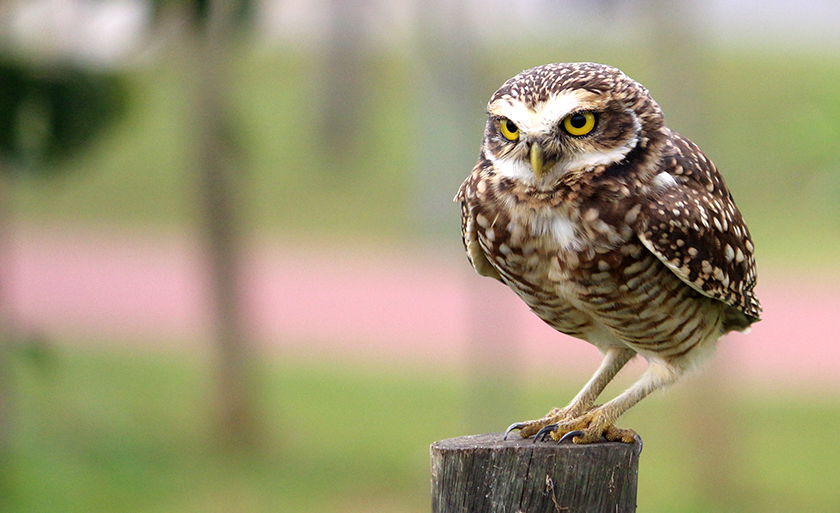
<point>556,119</point>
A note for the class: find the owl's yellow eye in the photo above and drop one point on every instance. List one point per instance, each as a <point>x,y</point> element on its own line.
<point>509,129</point>
<point>579,123</point>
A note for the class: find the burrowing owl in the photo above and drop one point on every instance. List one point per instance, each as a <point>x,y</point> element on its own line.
<point>611,227</point>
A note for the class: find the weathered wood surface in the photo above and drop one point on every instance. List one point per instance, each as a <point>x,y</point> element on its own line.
<point>483,473</point>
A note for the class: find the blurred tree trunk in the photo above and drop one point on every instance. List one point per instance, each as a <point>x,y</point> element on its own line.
<point>219,181</point>
<point>450,119</point>
<point>450,106</point>
<point>344,70</point>
<point>6,350</point>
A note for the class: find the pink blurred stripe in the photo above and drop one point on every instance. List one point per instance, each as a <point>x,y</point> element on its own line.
<point>371,302</point>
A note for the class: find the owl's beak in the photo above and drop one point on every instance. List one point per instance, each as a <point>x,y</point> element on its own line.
<point>538,162</point>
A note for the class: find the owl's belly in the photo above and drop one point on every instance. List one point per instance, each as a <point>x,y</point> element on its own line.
<point>618,296</point>
<point>550,294</point>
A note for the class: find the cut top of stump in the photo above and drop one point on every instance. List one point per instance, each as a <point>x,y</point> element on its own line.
<point>484,473</point>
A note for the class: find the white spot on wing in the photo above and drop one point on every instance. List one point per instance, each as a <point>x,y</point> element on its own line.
<point>664,180</point>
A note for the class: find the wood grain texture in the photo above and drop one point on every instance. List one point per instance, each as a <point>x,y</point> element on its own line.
<point>483,473</point>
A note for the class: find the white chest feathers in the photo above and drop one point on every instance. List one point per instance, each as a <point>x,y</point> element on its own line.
<point>558,229</point>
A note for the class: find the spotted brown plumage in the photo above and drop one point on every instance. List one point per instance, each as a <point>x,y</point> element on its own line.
<point>611,227</point>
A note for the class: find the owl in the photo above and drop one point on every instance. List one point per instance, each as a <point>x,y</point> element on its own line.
<point>612,228</point>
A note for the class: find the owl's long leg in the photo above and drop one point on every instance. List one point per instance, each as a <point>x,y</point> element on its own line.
<point>599,421</point>
<point>614,359</point>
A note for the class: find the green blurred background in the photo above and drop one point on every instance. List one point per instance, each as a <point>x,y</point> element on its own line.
<point>347,126</point>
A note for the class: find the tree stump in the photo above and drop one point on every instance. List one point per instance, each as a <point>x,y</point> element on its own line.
<point>481,473</point>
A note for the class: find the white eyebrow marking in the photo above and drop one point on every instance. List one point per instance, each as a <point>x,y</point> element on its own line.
<point>542,119</point>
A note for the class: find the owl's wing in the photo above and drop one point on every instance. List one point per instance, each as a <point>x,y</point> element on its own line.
<point>696,230</point>
<point>475,253</point>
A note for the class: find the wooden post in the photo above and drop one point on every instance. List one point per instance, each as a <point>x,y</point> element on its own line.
<point>483,473</point>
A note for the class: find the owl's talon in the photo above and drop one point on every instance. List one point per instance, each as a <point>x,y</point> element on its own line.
<point>638,440</point>
<point>515,425</point>
<point>570,435</point>
<point>545,432</point>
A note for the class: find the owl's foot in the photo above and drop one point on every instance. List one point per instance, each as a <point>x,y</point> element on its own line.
<point>588,428</point>
<point>532,427</point>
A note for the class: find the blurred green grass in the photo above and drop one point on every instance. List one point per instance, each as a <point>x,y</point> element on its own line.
<point>770,122</point>
<point>130,430</point>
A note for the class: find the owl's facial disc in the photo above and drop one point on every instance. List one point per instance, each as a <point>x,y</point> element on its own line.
<point>572,131</point>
